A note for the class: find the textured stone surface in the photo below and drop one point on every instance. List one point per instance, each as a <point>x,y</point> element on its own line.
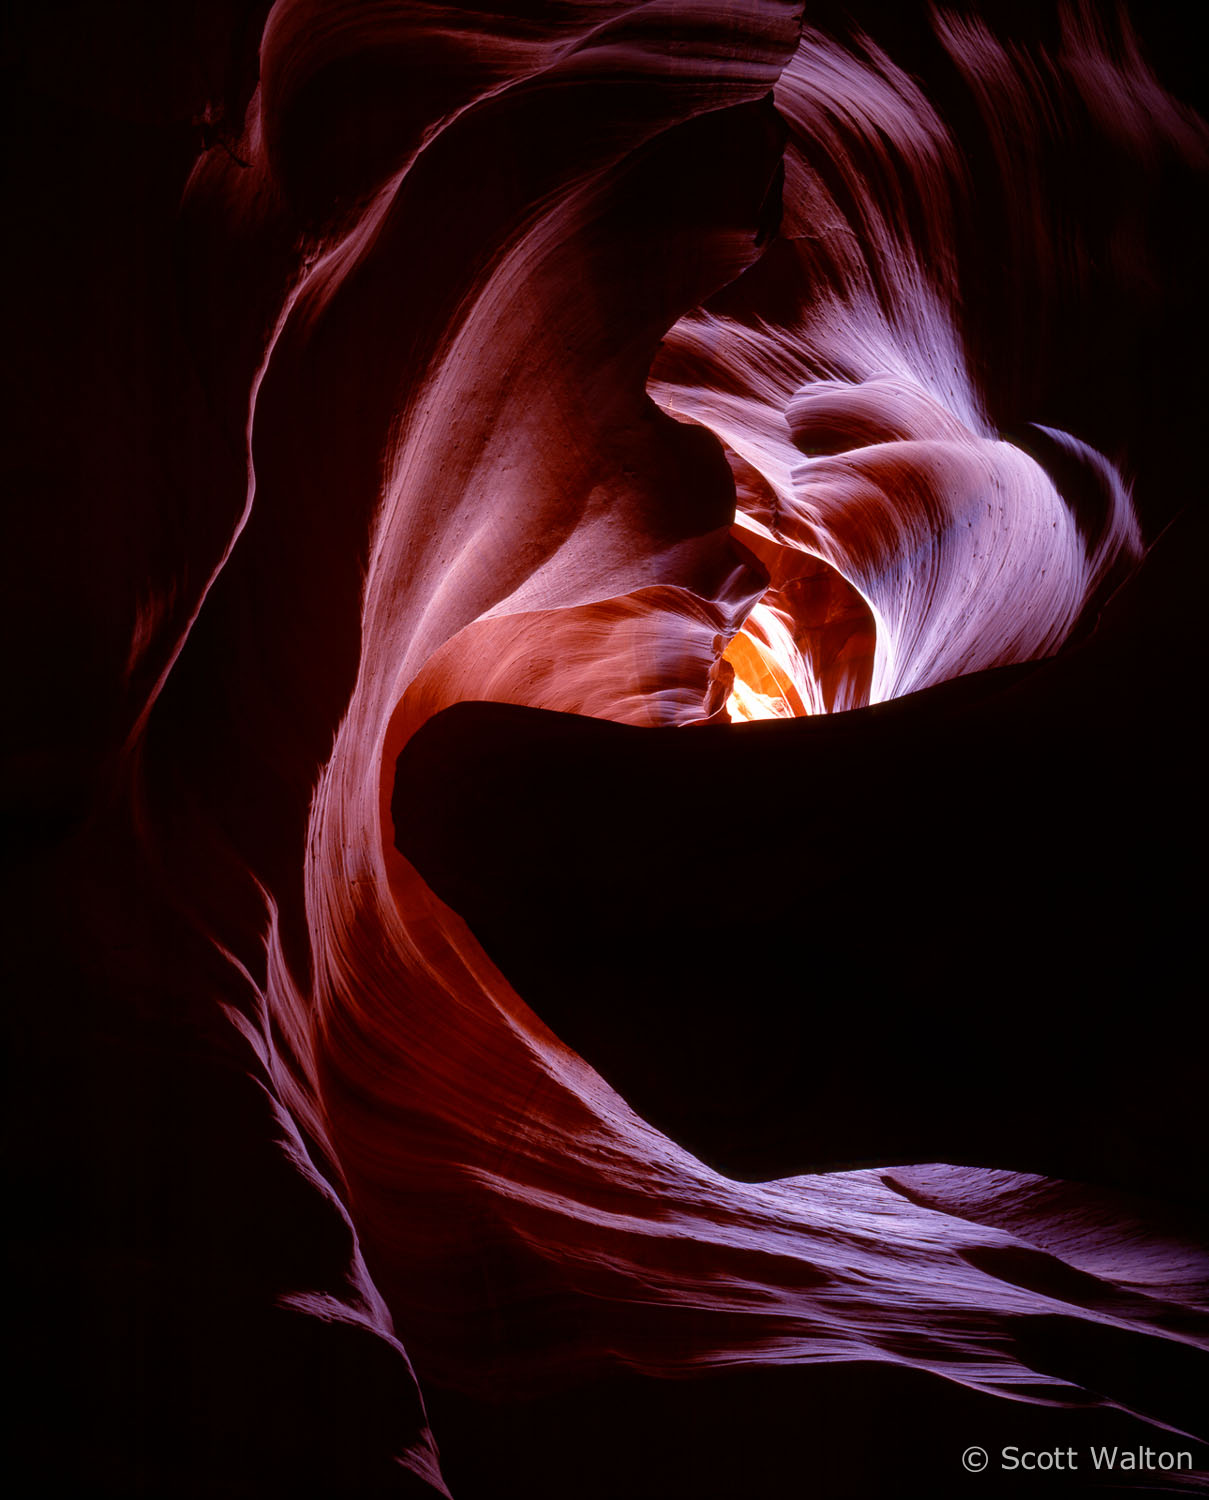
<point>438,1023</point>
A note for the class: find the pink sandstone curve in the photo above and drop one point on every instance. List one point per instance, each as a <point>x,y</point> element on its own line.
<point>534,543</point>
<point>620,370</point>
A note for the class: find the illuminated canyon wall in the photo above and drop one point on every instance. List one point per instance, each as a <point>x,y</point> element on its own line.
<point>604,790</point>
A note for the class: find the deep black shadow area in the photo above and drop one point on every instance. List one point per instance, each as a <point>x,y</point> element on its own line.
<point>955,927</point>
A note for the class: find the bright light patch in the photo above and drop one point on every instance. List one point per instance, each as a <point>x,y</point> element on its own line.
<point>762,688</point>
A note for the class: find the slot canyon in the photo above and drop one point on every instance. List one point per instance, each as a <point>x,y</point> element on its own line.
<point>602,799</point>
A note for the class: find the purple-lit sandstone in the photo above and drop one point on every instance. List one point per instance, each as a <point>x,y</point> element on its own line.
<point>604,775</point>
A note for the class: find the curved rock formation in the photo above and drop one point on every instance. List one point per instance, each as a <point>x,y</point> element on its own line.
<point>464,1008</point>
